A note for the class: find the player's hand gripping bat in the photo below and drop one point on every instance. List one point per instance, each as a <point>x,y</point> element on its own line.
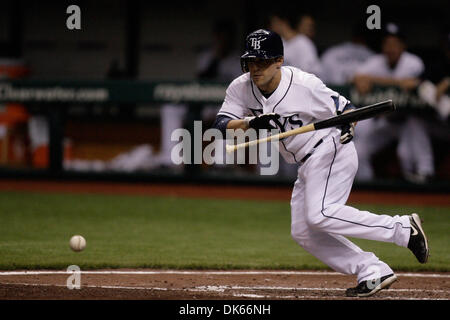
<point>346,118</point>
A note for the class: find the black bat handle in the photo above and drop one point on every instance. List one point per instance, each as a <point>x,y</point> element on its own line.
<point>357,115</point>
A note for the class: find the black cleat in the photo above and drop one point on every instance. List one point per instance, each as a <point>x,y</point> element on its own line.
<point>370,287</point>
<point>418,242</point>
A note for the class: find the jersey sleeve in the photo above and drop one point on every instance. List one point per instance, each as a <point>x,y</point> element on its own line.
<point>327,103</point>
<point>221,123</point>
<point>233,105</point>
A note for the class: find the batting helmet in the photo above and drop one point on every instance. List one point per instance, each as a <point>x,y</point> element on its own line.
<point>262,44</point>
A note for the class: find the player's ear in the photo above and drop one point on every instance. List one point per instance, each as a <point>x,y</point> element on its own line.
<point>279,62</point>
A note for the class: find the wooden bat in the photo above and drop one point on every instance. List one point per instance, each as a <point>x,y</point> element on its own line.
<point>342,119</point>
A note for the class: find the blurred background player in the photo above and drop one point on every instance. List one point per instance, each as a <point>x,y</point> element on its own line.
<point>219,62</point>
<point>300,50</point>
<point>340,62</point>
<point>393,67</point>
<point>306,25</point>
<point>435,90</point>
<point>436,79</point>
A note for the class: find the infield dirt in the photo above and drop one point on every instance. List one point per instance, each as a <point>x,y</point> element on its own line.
<point>223,285</point>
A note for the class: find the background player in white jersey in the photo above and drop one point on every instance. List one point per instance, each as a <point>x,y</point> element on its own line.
<point>340,62</point>
<point>396,67</point>
<point>269,94</point>
<point>307,25</point>
<point>299,50</point>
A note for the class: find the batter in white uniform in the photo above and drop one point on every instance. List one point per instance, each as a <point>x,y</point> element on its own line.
<point>269,94</point>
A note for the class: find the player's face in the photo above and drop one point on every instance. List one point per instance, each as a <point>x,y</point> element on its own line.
<point>264,72</point>
<point>393,48</point>
<point>276,24</point>
<point>307,26</point>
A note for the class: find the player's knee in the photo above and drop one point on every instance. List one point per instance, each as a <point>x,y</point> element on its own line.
<point>303,237</point>
<point>314,218</point>
<point>299,233</point>
<point>297,236</point>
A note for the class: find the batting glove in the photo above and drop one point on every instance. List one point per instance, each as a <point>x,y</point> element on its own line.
<point>347,133</point>
<point>262,121</point>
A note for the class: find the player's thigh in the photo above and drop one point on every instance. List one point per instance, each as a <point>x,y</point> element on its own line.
<point>329,177</point>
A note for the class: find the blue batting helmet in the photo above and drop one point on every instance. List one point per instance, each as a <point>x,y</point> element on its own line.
<point>262,44</point>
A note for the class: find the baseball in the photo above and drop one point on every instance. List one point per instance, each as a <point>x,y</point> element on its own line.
<point>77,243</point>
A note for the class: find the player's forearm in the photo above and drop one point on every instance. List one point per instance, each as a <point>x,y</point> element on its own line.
<point>238,124</point>
<point>223,123</point>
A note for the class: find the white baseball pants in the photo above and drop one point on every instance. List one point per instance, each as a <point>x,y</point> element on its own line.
<point>321,220</point>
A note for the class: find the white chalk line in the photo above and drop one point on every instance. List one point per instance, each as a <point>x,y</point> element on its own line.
<point>222,289</point>
<point>198,272</point>
<point>257,296</point>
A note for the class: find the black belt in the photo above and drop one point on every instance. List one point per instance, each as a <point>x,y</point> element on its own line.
<point>309,154</point>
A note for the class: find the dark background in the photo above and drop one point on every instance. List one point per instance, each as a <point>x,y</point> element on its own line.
<point>159,40</point>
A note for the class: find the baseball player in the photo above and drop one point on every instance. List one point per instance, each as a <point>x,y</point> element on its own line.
<point>269,94</point>
<point>299,50</point>
<point>398,67</point>
<point>340,62</point>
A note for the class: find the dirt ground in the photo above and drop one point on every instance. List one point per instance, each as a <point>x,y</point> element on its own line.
<point>215,192</point>
<point>213,284</point>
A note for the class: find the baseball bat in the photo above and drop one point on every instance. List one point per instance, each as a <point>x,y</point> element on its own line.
<point>342,119</point>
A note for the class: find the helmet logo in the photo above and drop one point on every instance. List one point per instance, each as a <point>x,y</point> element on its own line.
<point>255,43</point>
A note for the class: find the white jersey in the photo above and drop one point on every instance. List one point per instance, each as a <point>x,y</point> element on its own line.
<point>300,52</point>
<point>408,66</point>
<point>340,62</point>
<point>301,98</point>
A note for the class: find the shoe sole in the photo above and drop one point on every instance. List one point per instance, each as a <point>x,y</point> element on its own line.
<point>416,219</point>
<point>383,285</point>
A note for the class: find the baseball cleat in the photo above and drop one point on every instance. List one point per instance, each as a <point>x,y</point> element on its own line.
<point>370,287</point>
<point>418,242</point>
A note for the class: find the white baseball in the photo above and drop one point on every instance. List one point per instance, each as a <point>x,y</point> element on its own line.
<point>77,243</point>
